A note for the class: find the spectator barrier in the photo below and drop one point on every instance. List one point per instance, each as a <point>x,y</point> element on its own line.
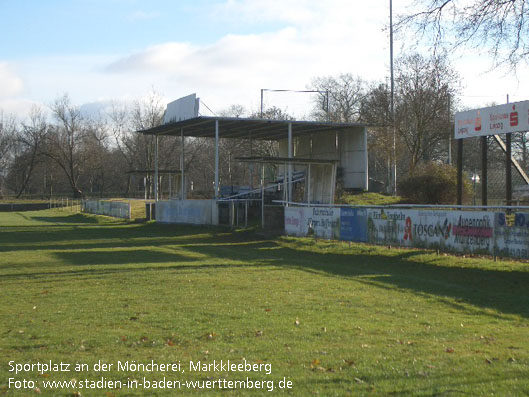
<point>117,209</point>
<point>497,233</point>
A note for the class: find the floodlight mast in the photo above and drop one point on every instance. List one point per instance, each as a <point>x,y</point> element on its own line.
<point>392,101</point>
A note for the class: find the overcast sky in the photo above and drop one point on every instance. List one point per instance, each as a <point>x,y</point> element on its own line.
<point>224,50</point>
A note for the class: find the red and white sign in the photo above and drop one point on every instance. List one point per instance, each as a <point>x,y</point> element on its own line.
<point>501,119</point>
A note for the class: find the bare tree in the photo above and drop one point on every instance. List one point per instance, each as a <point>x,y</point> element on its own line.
<point>7,133</point>
<point>341,94</point>
<point>376,111</point>
<point>424,87</point>
<point>30,141</point>
<point>233,111</point>
<point>64,143</point>
<point>500,25</point>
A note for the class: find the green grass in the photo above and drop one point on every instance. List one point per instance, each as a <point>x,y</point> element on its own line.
<point>366,198</point>
<point>333,318</point>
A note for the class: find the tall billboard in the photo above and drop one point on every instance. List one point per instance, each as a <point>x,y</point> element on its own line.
<point>182,109</point>
<point>501,119</point>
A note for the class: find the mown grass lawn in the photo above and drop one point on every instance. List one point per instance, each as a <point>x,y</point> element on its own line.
<point>332,318</point>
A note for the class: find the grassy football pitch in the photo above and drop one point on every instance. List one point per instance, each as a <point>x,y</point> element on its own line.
<point>95,306</point>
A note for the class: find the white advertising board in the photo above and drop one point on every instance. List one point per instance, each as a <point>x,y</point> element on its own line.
<point>182,109</point>
<point>501,119</point>
<point>322,222</point>
<point>458,231</point>
<point>512,235</point>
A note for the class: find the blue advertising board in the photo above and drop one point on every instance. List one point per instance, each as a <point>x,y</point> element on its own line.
<point>353,224</point>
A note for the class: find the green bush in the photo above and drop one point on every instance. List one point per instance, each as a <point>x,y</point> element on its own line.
<point>432,183</point>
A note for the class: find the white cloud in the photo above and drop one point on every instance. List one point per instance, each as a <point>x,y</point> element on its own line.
<point>20,108</point>
<point>251,11</point>
<point>319,38</point>
<point>304,39</point>
<point>11,84</point>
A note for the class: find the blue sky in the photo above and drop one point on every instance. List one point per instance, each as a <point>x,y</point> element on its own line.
<point>224,50</point>
<point>54,27</point>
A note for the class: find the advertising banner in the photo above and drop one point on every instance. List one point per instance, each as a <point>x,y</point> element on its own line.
<point>353,224</point>
<point>295,223</point>
<point>512,235</point>
<point>387,227</point>
<point>510,117</point>
<point>457,231</point>
<point>322,222</point>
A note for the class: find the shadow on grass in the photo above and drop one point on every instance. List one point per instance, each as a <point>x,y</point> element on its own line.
<point>118,257</point>
<point>505,291</point>
<point>501,290</point>
<point>106,235</point>
<point>72,218</point>
<point>89,272</point>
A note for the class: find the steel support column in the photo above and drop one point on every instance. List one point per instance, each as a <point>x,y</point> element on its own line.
<point>182,175</point>
<point>460,171</point>
<point>216,159</point>
<point>156,168</point>
<point>483,170</point>
<point>508,169</point>
<point>290,165</point>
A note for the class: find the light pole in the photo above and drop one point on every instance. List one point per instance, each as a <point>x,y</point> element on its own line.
<point>392,102</point>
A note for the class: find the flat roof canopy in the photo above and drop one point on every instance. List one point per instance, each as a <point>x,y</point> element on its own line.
<point>243,128</point>
<point>154,171</point>
<point>283,160</point>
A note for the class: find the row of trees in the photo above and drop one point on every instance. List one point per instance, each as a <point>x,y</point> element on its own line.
<point>64,151</point>
<point>425,98</point>
<point>61,150</point>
